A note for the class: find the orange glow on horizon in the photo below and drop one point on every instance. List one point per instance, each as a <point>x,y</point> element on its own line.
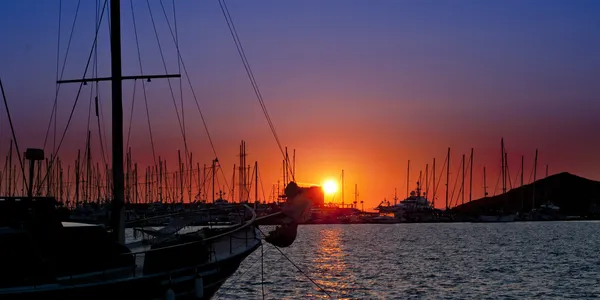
<point>330,187</point>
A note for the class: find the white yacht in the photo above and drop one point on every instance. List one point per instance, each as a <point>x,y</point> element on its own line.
<point>417,201</point>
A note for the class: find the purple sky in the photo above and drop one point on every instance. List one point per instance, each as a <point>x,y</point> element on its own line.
<point>356,85</point>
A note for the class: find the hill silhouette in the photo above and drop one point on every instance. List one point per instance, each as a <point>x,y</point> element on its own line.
<point>574,195</point>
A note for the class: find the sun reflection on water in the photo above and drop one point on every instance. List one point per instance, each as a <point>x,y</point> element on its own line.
<point>330,266</point>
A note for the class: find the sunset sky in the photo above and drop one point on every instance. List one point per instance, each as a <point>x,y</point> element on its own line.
<point>362,86</point>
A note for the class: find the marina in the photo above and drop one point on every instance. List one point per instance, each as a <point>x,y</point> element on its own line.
<point>397,150</point>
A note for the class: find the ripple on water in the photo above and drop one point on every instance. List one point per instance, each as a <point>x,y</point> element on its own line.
<point>545,260</point>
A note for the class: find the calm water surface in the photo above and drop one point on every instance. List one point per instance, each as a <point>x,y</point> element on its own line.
<point>545,260</point>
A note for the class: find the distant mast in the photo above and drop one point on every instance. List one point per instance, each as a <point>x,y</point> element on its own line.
<point>434,186</point>
<point>462,188</point>
<point>426,181</point>
<point>447,177</point>
<point>342,188</point>
<point>118,176</point>
<point>471,177</point>
<point>408,179</point>
<point>534,178</point>
<point>503,173</point>
<point>484,184</point>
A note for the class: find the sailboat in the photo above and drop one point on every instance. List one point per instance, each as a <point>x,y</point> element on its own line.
<point>500,215</point>
<point>46,258</point>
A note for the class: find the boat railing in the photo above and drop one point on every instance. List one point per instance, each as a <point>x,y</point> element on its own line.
<point>232,239</point>
<point>183,258</point>
<point>144,221</point>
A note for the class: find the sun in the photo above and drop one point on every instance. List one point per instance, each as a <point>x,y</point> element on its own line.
<point>330,187</point>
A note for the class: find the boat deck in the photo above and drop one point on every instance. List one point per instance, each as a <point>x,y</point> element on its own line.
<point>221,248</point>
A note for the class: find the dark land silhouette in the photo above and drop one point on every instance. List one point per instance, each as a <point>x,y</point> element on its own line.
<point>574,195</point>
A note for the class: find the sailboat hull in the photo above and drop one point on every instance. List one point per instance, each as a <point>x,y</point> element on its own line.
<point>184,284</point>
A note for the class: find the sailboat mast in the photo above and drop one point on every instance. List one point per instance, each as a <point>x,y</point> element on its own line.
<point>434,186</point>
<point>355,194</point>
<point>484,184</point>
<point>463,181</point>
<point>503,174</point>
<point>117,122</point>
<point>407,178</point>
<point>447,177</point>
<point>534,178</point>
<point>213,175</point>
<point>256,181</point>
<point>426,180</point>
<point>342,188</point>
<point>118,179</point>
<point>471,177</point>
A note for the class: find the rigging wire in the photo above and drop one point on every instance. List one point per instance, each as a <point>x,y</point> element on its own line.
<point>98,109</point>
<point>131,114</point>
<point>250,74</point>
<point>137,44</point>
<point>516,177</point>
<point>101,111</point>
<point>180,82</point>
<point>262,187</point>
<point>94,87</point>
<point>243,273</point>
<point>508,177</point>
<point>462,190</point>
<point>54,108</point>
<point>168,79</point>
<point>262,270</point>
<point>497,183</point>
<point>14,136</point>
<point>440,176</point>
<point>455,184</point>
<point>76,100</point>
<point>180,57</point>
<point>531,175</point>
<point>298,268</point>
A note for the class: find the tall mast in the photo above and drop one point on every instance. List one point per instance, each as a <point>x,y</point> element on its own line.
<point>342,188</point>
<point>503,173</point>
<point>484,184</point>
<point>256,181</point>
<point>117,122</point>
<point>419,184</point>
<point>534,178</point>
<point>447,176</point>
<point>287,169</point>
<point>434,186</point>
<point>426,180</point>
<point>355,194</point>
<point>118,178</point>
<point>463,181</point>
<point>407,178</point>
<point>214,174</point>
<point>471,177</point>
